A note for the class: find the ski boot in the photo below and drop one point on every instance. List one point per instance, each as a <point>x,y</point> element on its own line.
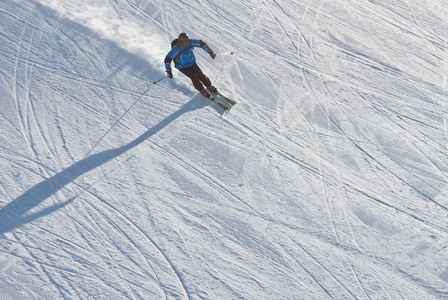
<point>212,89</point>
<point>206,94</point>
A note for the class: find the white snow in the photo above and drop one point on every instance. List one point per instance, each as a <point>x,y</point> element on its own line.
<point>329,180</point>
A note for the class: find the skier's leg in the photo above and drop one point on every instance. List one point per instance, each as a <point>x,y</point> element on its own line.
<point>190,72</point>
<point>201,76</point>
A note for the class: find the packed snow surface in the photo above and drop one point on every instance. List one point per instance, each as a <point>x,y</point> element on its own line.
<point>329,180</point>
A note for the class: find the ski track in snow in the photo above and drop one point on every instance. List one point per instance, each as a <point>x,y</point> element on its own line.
<point>327,181</point>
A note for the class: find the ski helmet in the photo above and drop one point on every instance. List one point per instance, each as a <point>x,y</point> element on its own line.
<point>183,37</point>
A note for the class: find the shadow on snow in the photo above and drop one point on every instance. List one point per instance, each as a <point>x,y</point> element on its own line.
<point>14,214</point>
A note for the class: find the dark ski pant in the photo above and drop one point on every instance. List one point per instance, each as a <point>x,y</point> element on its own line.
<point>197,77</point>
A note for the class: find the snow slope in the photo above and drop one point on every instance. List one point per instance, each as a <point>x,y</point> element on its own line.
<point>328,181</point>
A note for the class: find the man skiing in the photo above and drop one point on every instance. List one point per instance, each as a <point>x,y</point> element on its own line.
<point>185,61</point>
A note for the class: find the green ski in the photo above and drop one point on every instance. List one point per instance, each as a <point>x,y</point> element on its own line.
<point>230,101</point>
<point>217,102</point>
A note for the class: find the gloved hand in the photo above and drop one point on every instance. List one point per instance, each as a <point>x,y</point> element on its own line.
<point>169,73</point>
<point>212,54</point>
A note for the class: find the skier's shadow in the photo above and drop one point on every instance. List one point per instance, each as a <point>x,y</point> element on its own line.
<point>14,214</point>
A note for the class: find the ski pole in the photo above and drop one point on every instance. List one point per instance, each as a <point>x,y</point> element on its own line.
<point>155,82</point>
<point>225,53</point>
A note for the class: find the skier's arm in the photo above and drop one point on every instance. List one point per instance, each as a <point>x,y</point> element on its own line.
<point>168,63</point>
<point>203,45</point>
<point>168,71</point>
<point>169,58</point>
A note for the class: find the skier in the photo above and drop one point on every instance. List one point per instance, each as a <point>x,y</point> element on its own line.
<point>185,61</point>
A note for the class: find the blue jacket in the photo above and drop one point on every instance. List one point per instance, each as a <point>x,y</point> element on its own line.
<point>183,55</point>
